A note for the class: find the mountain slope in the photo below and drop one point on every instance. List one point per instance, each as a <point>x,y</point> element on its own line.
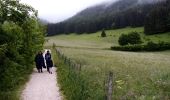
<point>108,15</point>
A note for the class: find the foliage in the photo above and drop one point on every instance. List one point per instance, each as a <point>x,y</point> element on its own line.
<point>103,34</point>
<point>21,36</point>
<point>150,46</point>
<point>128,48</point>
<point>123,39</point>
<point>131,38</point>
<point>157,20</point>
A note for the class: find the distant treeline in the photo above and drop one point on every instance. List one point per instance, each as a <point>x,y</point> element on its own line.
<point>155,17</point>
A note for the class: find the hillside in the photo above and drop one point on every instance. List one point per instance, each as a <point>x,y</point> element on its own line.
<point>108,15</point>
<point>137,75</point>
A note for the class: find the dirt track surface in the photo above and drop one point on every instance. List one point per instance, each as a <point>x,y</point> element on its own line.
<point>42,86</point>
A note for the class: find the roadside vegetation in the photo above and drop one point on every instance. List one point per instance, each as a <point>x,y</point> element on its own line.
<point>21,36</point>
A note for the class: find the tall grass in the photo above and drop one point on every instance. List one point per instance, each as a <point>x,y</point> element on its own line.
<point>72,83</point>
<point>137,76</point>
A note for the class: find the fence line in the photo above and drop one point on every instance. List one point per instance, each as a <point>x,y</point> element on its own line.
<point>108,83</point>
<point>71,64</point>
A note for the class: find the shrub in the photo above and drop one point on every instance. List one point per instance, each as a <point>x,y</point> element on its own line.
<point>123,40</point>
<point>150,46</point>
<point>128,48</point>
<point>131,38</point>
<point>21,37</point>
<point>134,38</point>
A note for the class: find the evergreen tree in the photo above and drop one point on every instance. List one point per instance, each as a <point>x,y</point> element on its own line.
<point>156,21</point>
<point>103,34</point>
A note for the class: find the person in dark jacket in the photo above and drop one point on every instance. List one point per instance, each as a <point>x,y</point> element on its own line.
<point>49,61</point>
<point>39,60</point>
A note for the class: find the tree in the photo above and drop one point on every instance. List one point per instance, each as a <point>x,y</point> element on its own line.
<point>134,38</point>
<point>123,39</point>
<point>21,36</point>
<point>156,21</point>
<point>13,10</point>
<point>131,38</point>
<point>103,34</point>
<point>168,22</point>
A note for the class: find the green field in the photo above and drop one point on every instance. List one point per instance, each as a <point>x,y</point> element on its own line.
<point>137,75</point>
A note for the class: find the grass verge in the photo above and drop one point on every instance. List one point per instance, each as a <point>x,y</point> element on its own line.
<point>15,94</point>
<point>72,83</point>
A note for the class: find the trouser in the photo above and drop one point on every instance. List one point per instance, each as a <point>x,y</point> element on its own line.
<point>39,70</point>
<point>49,69</point>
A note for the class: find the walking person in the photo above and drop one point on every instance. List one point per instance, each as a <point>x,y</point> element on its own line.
<point>39,60</point>
<point>49,61</point>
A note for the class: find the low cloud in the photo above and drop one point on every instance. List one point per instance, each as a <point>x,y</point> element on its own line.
<point>59,10</point>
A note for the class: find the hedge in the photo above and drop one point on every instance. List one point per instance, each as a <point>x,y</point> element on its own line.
<point>150,46</point>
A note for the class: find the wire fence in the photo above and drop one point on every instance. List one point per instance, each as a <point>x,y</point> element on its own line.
<point>77,68</point>
<point>73,66</point>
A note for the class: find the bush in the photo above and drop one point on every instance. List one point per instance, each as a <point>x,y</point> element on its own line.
<point>123,40</point>
<point>131,38</point>
<point>21,37</point>
<point>128,48</point>
<point>150,46</point>
<point>134,38</point>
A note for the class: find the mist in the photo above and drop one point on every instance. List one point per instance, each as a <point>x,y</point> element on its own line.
<point>59,10</point>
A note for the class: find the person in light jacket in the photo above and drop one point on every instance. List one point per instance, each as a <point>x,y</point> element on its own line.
<point>49,61</point>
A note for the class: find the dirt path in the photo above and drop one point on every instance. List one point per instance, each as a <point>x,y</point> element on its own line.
<point>42,86</point>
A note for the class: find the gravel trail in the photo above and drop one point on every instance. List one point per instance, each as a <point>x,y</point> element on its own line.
<point>42,86</point>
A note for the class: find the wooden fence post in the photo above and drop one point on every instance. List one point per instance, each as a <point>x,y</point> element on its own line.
<point>62,56</point>
<point>110,86</point>
<point>65,59</point>
<point>54,45</point>
<point>69,62</point>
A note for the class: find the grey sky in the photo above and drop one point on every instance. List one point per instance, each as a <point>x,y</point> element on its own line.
<point>58,10</point>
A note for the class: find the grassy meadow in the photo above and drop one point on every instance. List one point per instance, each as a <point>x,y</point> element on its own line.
<point>137,75</point>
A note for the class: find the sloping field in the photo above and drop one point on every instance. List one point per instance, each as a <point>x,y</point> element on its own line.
<point>137,75</point>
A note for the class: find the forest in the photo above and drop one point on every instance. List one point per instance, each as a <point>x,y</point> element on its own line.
<point>154,16</point>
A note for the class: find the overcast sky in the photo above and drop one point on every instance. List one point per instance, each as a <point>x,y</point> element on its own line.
<point>59,10</point>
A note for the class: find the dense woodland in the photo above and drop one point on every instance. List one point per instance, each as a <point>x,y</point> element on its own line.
<point>21,36</point>
<point>154,15</point>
